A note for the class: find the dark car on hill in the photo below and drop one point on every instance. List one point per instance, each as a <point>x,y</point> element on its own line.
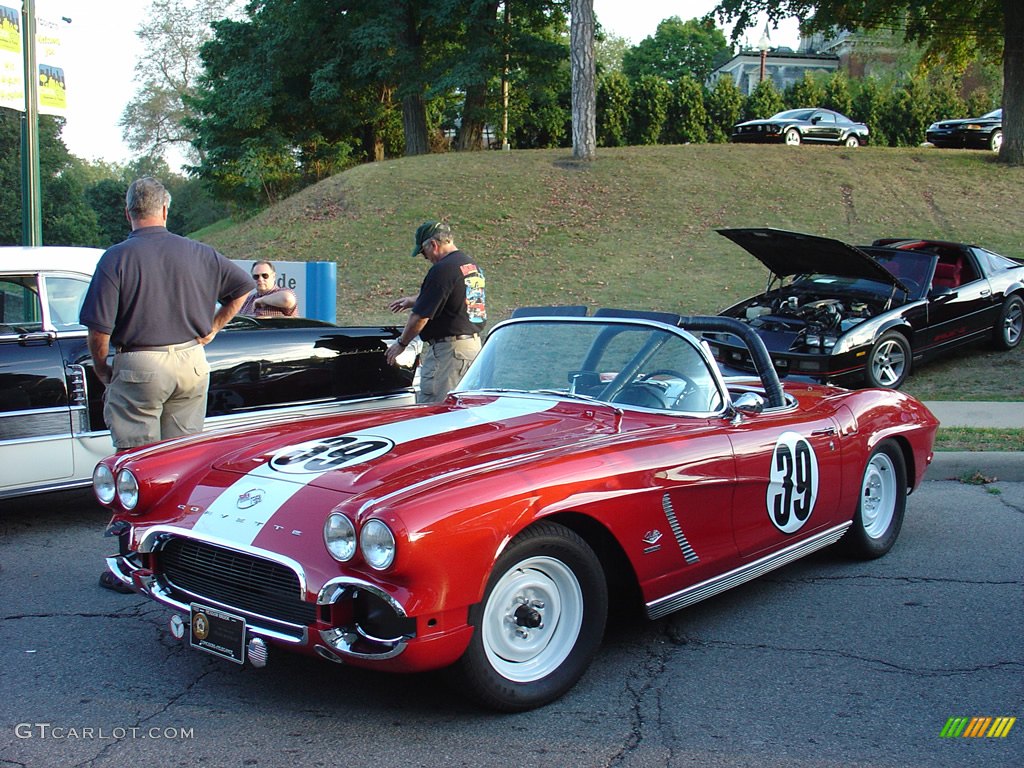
<point>985,132</point>
<point>863,314</point>
<point>263,371</point>
<point>811,125</point>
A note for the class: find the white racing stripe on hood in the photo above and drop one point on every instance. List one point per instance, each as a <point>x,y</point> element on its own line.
<point>246,506</point>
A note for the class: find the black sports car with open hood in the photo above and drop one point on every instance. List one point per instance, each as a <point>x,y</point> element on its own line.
<point>855,315</point>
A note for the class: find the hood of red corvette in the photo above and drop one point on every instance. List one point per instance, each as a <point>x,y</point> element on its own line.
<point>411,446</point>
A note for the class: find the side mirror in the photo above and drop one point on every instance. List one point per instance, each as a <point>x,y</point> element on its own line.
<point>749,403</point>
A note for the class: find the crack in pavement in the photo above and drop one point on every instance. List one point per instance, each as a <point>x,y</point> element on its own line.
<point>680,640</point>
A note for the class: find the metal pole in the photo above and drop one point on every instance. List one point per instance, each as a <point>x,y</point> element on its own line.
<point>31,198</point>
<point>504,83</point>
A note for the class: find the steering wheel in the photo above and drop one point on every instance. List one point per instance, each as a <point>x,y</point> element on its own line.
<point>689,385</point>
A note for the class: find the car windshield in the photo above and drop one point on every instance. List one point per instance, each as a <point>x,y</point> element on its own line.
<point>793,114</point>
<point>995,114</point>
<point>628,364</point>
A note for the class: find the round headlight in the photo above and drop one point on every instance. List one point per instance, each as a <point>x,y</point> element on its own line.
<point>127,489</point>
<point>340,537</point>
<point>377,544</point>
<point>103,483</point>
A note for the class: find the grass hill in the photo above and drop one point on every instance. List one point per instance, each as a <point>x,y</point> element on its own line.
<point>635,228</point>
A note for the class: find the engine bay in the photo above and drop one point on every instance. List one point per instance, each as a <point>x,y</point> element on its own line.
<point>811,322</point>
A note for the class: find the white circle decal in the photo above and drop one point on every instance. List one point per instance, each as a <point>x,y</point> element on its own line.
<point>319,456</point>
<point>792,482</point>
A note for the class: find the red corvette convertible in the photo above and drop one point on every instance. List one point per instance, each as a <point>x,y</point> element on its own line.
<point>581,457</point>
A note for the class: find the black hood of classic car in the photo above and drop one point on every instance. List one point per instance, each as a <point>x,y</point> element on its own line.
<point>794,253</point>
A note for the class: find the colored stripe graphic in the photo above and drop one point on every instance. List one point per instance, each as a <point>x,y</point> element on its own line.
<point>977,727</point>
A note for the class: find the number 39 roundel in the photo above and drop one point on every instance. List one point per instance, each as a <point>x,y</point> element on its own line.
<point>792,483</point>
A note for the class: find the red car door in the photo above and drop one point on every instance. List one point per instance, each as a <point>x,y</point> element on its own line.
<point>788,480</point>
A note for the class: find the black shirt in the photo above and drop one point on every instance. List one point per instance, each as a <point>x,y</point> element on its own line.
<point>452,296</point>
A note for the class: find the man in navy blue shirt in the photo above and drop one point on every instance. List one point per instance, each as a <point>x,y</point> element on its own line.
<point>152,299</point>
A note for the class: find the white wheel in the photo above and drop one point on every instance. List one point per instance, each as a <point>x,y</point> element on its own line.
<point>878,496</point>
<point>539,624</point>
<point>532,619</point>
<point>792,137</point>
<point>882,504</point>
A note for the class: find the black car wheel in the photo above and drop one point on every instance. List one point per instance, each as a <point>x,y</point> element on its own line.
<point>995,141</point>
<point>852,141</point>
<point>1008,330</point>
<point>540,622</point>
<point>882,504</point>
<point>792,137</point>
<point>889,362</point>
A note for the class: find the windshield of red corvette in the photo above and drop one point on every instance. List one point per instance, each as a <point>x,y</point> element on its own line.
<point>627,364</point>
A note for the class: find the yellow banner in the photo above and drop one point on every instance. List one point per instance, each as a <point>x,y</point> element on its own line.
<point>52,86</point>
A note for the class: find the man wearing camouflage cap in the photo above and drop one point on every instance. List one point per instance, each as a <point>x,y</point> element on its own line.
<point>447,314</point>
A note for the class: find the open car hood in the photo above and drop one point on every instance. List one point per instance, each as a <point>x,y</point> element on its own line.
<point>793,253</point>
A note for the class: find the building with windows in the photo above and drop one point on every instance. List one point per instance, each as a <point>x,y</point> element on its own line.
<point>783,66</point>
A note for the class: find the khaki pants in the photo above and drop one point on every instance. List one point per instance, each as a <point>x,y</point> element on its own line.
<point>156,395</point>
<point>442,366</point>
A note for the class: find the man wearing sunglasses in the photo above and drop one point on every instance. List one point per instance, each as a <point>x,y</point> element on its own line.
<point>447,314</point>
<point>268,300</point>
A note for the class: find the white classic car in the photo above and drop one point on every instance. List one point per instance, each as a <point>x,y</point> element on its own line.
<point>262,370</point>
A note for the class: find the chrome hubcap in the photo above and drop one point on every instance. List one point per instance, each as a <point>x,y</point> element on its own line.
<point>532,619</point>
<point>889,363</point>
<point>1013,324</point>
<point>878,496</point>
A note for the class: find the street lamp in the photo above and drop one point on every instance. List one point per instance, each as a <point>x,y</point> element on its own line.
<point>763,45</point>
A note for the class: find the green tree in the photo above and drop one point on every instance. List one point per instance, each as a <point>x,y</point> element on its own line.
<point>687,117</point>
<point>677,48</point>
<point>907,112</point>
<point>764,102</point>
<point>952,31</point>
<point>613,100</point>
<point>837,93</point>
<point>806,92</point>
<point>724,107</point>
<point>67,218</point>
<point>172,34</point>
<point>649,109</point>
<point>868,106</point>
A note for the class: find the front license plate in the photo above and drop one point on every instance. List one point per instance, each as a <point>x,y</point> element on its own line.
<point>216,632</point>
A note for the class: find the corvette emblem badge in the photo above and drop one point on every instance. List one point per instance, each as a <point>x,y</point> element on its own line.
<point>250,498</point>
<point>652,537</point>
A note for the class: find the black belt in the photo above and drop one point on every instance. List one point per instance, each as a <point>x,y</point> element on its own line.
<point>161,347</point>
<point>460,337</point>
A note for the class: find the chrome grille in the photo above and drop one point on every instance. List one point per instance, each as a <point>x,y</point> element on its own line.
<point>235,579</point>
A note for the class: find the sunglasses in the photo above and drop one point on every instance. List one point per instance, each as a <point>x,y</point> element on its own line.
<point>264,275</point>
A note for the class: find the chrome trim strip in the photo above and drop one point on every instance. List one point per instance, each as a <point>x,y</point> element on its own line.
<point>153,539</point>
<point>713,586</point>
<point>34,411</point>
<point>684,545</point>
<point>64,485</point>
<point>340,641</point>
<point>152,588</point>
<point>335,589</point>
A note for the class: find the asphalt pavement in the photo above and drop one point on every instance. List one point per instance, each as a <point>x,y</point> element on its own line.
<point>1007,466</point>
